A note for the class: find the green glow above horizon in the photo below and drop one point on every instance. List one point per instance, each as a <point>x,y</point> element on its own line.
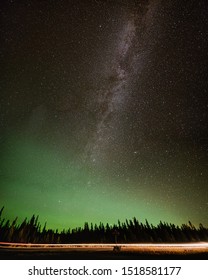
<point>37,180</point>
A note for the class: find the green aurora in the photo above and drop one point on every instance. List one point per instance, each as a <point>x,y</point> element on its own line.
<point>39,180</point>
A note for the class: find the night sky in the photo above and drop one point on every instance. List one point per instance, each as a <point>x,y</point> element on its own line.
<point>104,111</point>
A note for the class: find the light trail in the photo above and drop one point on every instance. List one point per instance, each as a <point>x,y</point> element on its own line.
<point>197,245</point>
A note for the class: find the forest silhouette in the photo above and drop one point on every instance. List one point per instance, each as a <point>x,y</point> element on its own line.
<point>130,231</point>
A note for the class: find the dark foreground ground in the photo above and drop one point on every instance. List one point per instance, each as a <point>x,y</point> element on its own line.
<point>194,251</point>
<point>40,255</point>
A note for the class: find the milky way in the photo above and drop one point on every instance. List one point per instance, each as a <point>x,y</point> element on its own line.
<point>104,111</point>
<point>126,65</point>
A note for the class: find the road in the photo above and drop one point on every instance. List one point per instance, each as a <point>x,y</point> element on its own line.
<point>103,251</point>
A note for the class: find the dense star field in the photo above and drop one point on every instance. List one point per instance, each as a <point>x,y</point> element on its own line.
<point>104,111</point>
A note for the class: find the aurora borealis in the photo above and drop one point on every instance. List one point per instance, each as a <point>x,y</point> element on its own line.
<point>104,111</point>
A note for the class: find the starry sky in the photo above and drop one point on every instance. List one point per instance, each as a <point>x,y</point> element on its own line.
<point>104,111</point>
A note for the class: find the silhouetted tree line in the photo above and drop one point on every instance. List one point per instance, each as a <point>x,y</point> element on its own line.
<point>130,231</point>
